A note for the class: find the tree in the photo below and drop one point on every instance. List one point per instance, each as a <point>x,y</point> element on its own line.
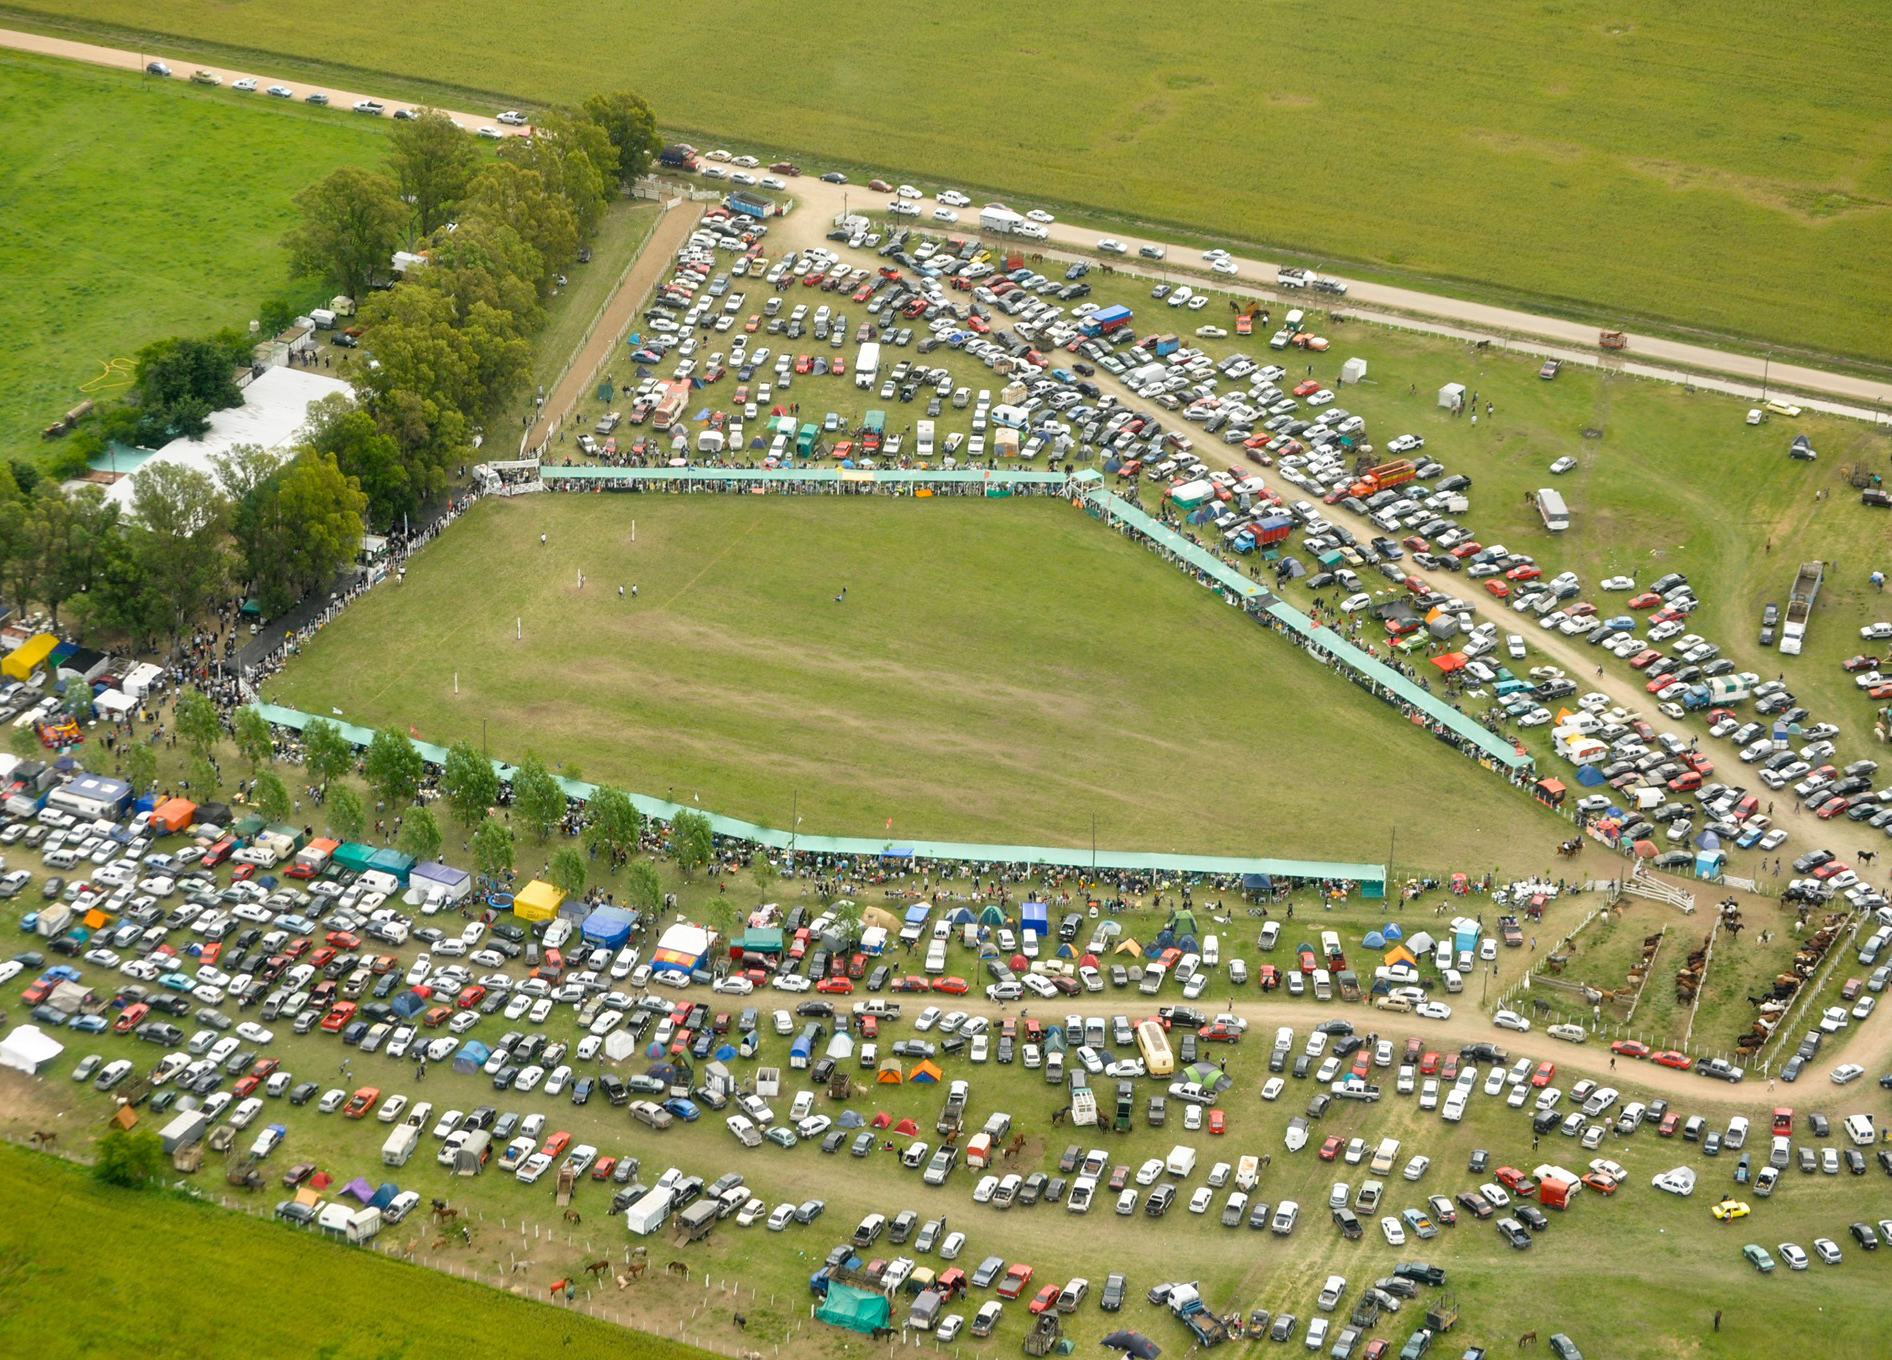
<point>762,869</point>
<point>78,702</point>
<point>25,743</point>
<point>130,1158</point>
<point>433,159</point>
<point>567,872</point>
<point>520,197</point>
<point>204,779</point>
<point>177,540</point>
<point>346,816</point>
<point>630,125</point>
<point>271,797</point>
<point>574,156</point>
<point>78,530</point>
<point>470,783</point>
<point>420,833</point>
<point>350,226</point>
<point>847,918</point>
<point>691,841</point>
<point>255,740</point>
<point>492,849</point>
<point>537,797</point>
<point>643,889</point>
<point>393,766</point>
<point>197,721</point>
<point>180,381</point>
<point>326,753</point>
<point>367,455</point>
<point>720,913</point>
<point>613,825</point>
<point>140,765</point>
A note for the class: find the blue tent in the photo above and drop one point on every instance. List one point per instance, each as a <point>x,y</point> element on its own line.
<point>408,1005</point>
<point>471,1057</point>
<point>1392,931</point>
<point>385,1195</point>
<point>1066,952</point>
<point>607,927</point>
<point>725,1053</point>
<point>1257,883</point>
<point>1036,919</point>
<point>1589,776</point>
<point>1374,940</point>
<point>960,916</point>
<point>991,915</point>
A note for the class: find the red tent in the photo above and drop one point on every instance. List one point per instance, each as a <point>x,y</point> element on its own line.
<point>1645,849</point>
<point>1019,963</point>
<point>1450,662</point>
<point>1088,961</point>
<point>881,1120</point>
<point>906,1127</point>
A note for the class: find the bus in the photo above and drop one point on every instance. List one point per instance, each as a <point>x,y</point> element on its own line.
<point>1153,1044</point>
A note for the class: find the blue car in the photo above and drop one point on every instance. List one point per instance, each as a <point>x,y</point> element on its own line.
<point>1622,623</point>
<point>683,1109</point>
<point>87,1024</point>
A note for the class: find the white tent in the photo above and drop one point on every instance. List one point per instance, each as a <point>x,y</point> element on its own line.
<point>1452,396</point>
<point>1353,370</point>
<point>115,704</point>
<point>619,1045</point>
<point>29,1050</point>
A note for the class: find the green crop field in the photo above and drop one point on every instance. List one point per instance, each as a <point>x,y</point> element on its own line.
<point>998,672</point>
<point>144,209</point>
<point>1610,161</point>
<point>91,1271</point>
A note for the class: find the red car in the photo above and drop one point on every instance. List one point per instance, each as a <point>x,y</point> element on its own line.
<point>131,1017</point>
<point>1330,1149</point>
<point>1832,807</point>
<point>1527,572</point>
<point>556,1144</point>
<point>1217,1124</point>
<point>1220,1032</point>
<point>912,984</point>
<point>1465,550</point>
<point>1831,869</point>
<point>1597,1181</point>
<point>1542,1076</point>
<point>1046,1298</point>
<point>835,986</point>
<point>1859,663</point>
<point>1647,600</point>
<point>952,986</point>
<point>1016,1278</point>
<point>1497,588</point>
<point>1429,1065</point>
<point>1644,659</point>
<point>1670,1123</point>
<point>336,1020</point>
<point>602,1169</point>
<point>361,1102</point>
<point>1307,389</point>
<point>1414,543</point>
<point>1684,783</point>
<point>343,939</point>
<point>470,996</point>
<point>1670,1057</point>
<point>246,1086</point>
<point>1630,1048</point>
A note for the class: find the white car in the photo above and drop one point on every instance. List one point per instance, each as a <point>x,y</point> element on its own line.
<point>1225,266</point>
<point>513,118</point>
<point>1040,215</point>
<point>945,215</point>
<point>783,1215</point>
<point>791,982</point>
<point>1433,1010</point>
<point>254,1032</point>
<point>953,198</point>
<point>908,191</point>
<point>1271,1090</point>
<point>1110,245</point>
<point>733,986</point>
<point>1619,583</point>
<point>1874,632</point>
<point>247,85</point>
<point>1395,1233</point>
<point>491,134</point>
<point>1211,332</point>
<point>1563,465</point>
<point>1680,1181</point>
<point>1511,1020</point>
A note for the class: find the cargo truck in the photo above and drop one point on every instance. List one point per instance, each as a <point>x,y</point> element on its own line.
<point>1105,320</point>
<point>1806,588</point>
<point>1377,479</point>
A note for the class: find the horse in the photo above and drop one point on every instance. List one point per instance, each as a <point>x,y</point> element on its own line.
<point>677,1268</point>
<point>444,1213</point>
<point>573,1216</point>
<point>42,1139</point>
<point>597,1268</point>
<point>634,1271</point>
<point>1528,1339</point>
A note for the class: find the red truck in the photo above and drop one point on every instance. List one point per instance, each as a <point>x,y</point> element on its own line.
<point>1380,478</point>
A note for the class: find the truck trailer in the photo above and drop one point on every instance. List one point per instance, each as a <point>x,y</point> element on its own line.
<point>1806,588</point>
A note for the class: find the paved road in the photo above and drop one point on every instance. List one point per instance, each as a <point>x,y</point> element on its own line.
<point>1745,372</point>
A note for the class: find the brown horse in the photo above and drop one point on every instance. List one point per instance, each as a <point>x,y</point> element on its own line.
<point>1528,1339</point>
<point>573,1216</point>
<point>677,1268</point>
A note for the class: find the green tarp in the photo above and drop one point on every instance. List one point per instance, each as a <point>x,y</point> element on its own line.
<point>756,941</point>
<point>855,1309</point>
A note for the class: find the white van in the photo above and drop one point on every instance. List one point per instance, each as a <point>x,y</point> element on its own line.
<point>1454,980</point>
<point>1859,1128</point>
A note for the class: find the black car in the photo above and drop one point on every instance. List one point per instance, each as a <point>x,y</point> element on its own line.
<point>1112,1297</point>
<point>1532,1215</point>
<point>1864,1236</point>
<point>1480,1159</point>
<point>1349,1224</point>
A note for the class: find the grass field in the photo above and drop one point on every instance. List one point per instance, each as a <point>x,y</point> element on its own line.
<point>155,209</point>
<point>998,672</point>
<point>255,1288</point>
<point>1608,161</point>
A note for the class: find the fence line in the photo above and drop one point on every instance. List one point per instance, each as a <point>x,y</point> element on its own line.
<point>1810,990</point>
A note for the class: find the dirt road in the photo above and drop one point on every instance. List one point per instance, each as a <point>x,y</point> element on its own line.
<point>1746,372</point>
<point>653,262</point>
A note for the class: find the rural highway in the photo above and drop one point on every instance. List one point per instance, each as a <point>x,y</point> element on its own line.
<point>1741,374</point>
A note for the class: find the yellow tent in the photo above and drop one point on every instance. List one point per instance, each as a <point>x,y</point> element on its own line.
<point>890,1072</point>
<point>537,901</point>
<point>1400,954</point>
<point>1130,947</point>
<point>925,1072</point>
<point>23,660</point>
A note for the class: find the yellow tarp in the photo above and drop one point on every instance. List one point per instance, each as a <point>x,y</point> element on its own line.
<point>537,901</point>
<point>23,660</point>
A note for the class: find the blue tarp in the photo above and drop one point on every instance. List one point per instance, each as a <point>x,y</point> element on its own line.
<point>917,914</point>
<point>1035,918</point>
<point>607,927</point>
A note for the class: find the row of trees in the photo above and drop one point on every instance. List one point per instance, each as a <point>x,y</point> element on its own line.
<point>452,345</point>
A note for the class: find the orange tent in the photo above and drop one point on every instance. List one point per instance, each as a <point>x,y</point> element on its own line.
<point>173,815</point>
